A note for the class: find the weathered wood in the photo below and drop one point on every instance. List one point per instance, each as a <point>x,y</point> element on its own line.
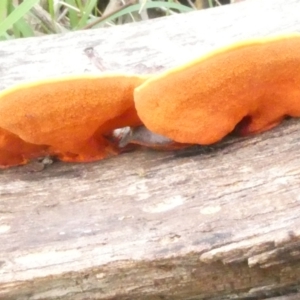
<point>289,297</point>
<point>218,222</point>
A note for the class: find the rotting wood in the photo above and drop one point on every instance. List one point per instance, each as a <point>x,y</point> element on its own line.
<point>218,222</point>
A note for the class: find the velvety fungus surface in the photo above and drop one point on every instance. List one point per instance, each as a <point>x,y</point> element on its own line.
<point>204,100</point>
<point>73,116</point>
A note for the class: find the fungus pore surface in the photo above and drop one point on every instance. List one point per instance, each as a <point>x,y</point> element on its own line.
<point>71,116</point>
<point>204,100</point>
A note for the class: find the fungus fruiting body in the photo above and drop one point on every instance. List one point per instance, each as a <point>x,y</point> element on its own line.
<point>14,151</point>
<point>72,116</point>
<point>204,100</point>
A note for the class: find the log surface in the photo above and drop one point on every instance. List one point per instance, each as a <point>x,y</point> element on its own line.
<point>218,222</point>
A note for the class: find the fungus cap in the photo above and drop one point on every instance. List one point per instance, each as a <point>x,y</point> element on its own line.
<point>71,114</point>
<point>204,100</point>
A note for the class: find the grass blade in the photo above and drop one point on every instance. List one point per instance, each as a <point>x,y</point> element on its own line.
<point>16,15</point>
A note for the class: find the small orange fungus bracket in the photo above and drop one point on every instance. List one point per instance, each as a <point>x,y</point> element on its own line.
<point>71,117</point>
<point>204,100</point>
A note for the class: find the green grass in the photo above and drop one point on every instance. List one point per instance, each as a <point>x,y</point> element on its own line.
<point>27,18</point>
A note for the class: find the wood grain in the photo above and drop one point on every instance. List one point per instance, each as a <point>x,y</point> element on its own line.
<point>218,222</point>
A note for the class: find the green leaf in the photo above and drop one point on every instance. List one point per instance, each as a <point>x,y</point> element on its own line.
<point>3,9</point>
<point>148,4</point>
<point>16,15</point>
<point>85,13</point>
<point>51,9</point>
<point>73,13</point>
<point>24,28</point>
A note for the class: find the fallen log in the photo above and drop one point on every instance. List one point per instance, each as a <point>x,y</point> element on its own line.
<point>219,222</point>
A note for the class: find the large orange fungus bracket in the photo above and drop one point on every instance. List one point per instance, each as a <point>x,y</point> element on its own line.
<point>251,86</point>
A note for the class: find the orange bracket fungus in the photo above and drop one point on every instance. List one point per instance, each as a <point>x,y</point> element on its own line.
<point>251,86</point>
<point>70,117</point>
<point>14,151</point>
